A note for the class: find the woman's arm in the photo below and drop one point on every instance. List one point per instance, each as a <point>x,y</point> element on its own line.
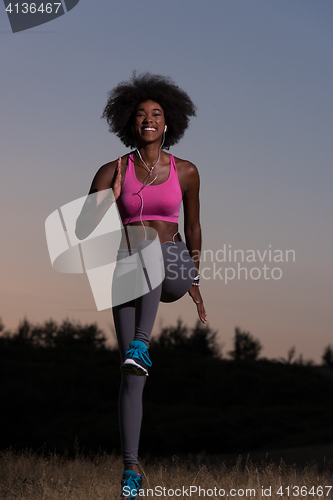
<point>105,189</point>
<point>191,183</point>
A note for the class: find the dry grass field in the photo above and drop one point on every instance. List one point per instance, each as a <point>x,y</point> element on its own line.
<point>31,476</point>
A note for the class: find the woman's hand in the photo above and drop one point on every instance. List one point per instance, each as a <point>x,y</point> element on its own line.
<point>197,299</point>
<point>116,181</point>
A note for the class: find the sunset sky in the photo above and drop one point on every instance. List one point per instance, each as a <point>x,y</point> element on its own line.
<point>261,75</point>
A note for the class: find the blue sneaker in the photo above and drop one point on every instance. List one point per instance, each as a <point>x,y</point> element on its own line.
<point>137,359</point>
<point>131,484</point>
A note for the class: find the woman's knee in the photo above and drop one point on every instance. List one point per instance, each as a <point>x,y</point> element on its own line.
<point>179,272</point>
<point>132,383</point>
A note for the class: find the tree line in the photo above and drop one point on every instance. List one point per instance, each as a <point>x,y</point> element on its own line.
<point>200,339</point>
<point>59,383</point>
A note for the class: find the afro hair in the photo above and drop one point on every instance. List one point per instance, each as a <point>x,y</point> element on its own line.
<point>123,100</point>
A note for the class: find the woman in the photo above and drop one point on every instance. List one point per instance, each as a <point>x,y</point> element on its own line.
<point>147,113</point>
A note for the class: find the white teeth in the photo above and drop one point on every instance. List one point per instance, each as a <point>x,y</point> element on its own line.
<point>149,129</point>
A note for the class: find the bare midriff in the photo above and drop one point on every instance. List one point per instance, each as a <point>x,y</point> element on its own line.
<point>166,231</point>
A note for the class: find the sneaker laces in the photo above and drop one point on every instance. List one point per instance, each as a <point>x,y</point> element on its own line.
<point>128,481</point>
<point>139,352</point>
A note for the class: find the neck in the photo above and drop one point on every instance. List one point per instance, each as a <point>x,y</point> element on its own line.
<point>149,153</point>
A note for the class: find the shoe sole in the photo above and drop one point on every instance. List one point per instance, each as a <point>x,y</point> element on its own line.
<point>133,368</point>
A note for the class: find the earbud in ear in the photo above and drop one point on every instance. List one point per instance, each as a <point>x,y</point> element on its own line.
<point>165,128</point>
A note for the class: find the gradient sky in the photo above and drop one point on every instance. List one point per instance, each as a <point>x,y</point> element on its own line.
<point>261,75</point>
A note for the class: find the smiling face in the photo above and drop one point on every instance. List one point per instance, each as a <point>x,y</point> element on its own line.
<point>149,122</point>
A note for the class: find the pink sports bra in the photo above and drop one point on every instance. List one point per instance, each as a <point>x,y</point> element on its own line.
<point>160,201</point>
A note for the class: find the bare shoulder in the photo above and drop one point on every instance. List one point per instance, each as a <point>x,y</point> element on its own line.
<point>109,168</point>
<point>188,174</point>
<point>185,166</point>
<point>104,175</point>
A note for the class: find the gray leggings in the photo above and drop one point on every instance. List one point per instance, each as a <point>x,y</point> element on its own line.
<point>134,320</point>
